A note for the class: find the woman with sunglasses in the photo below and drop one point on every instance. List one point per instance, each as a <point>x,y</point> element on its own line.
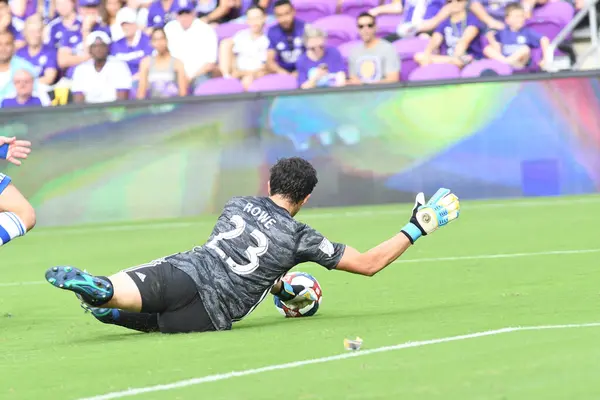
<point>320,66</point>
<point>459,35</point>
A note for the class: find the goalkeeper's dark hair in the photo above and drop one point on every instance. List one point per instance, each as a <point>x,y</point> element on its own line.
<point>293,178</point>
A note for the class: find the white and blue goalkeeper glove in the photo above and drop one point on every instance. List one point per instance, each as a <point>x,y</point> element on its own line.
<point>291,293</point>
<point>441,209</point>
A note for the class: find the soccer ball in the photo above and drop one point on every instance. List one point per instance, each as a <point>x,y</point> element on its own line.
<point>303,308</point>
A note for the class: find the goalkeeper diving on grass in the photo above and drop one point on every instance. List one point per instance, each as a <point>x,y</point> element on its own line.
<point>254,243</point>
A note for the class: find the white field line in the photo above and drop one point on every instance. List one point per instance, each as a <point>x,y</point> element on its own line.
<point>418,260</point>
<point>295,364</point>
<point>118,227</point>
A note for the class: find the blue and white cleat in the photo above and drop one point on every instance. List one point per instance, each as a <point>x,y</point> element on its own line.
<point>93,290</point>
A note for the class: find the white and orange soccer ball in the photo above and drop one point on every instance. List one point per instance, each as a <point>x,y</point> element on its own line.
<point>300,308</point>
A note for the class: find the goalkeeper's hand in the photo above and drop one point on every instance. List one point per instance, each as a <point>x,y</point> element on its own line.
<point>441,209</point>
<point>293,293</point>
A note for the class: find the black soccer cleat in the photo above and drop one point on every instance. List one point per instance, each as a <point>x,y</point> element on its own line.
<point>93,290</point>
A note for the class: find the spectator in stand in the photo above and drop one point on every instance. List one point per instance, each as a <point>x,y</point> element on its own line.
<point>244,56</point>
<point>417,16</point>
<point>102,79</point>
<point>320,66</point>
<point>193,42</point>
<point>513,44</point>
<point>161,74</point>
<point>218,11</point>
<point>23,81</point>
<point>160,13</point>
<point>41,56</point>
<point>66,21</point>
<point>460,34</point>
<point>108,13</point>
<point>71,50</point>
<point>375,60</point>
<point>134,46</point>
<point>7,24</point>
<point>10,63</point>
<point>285,39</point>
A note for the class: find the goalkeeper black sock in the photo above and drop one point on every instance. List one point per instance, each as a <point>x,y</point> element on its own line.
<point>142,322</point>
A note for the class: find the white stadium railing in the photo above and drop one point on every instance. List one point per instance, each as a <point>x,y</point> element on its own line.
<point>553,63</point>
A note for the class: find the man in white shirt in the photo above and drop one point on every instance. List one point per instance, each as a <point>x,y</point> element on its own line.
<point>193,42</point>
<point>102,79</point>
<point>244,56</point>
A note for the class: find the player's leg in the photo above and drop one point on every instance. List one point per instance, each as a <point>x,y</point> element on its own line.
<point>185,313</point>
<point>17,216</point>
<point>520,58</point>
<point>136,293</point>
<point>143,322</point>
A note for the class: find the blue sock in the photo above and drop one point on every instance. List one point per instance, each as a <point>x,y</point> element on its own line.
<point>11,227</point>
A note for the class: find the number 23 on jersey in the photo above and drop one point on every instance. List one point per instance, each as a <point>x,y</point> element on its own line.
<point>252,252</point>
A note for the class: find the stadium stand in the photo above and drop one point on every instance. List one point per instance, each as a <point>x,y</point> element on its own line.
<point>477,30</point>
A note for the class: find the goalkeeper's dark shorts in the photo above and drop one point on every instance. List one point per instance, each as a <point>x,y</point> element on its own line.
<point>172,294</point>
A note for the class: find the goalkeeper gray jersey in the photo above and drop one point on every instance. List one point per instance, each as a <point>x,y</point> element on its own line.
<point>253,244</point>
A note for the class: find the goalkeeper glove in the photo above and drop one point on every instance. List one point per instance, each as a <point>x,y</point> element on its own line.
<point>441,209</point>
<point>295,292</point>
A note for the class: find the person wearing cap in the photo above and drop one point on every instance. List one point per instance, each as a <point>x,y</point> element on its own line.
<point>160,13</point>
<point>193,42</point>
<point>67,20</point>
<point>24,96</point>
<point>71,50</point>
<point>102,79</point>
<point>135,45</point>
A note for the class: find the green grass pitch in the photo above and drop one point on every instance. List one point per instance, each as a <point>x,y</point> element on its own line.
<point>49,349</point>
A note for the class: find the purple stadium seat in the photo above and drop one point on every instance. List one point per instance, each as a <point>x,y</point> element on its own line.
<point>536,57</point>
<point>312,10</point>
<point>345,50</point>
<point>410,46</point>
<point>347,47</point>
<point>407,66</point>
<point>219,86</point>
<point>274,82</point>
<point>354,7</point>
<point>340,29</point>
<point>475,69</point>
<point>559,11</point>
<point>387,24</point>
<point>225,31</point>
<point>434,72</point>
<point>546,27</point>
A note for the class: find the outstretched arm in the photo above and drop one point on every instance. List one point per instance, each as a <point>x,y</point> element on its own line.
<point>376,259</point>
<point>442,208</point>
